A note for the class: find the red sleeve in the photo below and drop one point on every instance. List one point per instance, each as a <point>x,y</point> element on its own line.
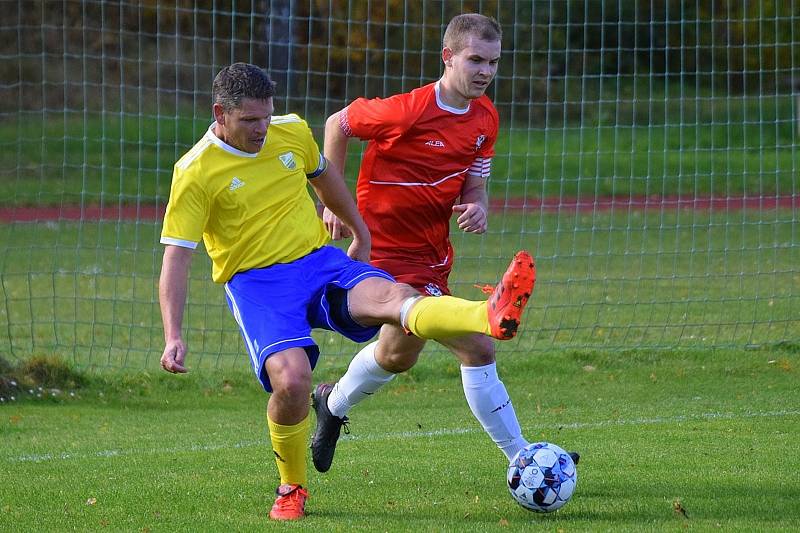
<point>486,150</point>
<point>377,118</point>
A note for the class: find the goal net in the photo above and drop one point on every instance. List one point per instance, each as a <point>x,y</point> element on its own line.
<point>647,157</point>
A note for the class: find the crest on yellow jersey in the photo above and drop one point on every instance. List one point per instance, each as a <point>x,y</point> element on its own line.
<point>288,160</point>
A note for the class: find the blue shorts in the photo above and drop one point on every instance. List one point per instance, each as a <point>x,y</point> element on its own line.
<point>277,306</point>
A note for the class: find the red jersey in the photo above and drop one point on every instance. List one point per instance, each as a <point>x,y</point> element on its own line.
<point>418,156</point>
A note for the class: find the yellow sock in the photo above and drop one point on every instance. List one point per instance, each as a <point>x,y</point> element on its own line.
<point>289,443</point>
<point>446,316</point>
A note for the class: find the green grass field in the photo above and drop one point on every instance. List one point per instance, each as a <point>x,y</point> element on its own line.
<point>615,360</point>
<point>670,440</point>
<point>649,280</point>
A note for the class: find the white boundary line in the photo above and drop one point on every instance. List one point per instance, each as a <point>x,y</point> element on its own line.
<point>42,458</point>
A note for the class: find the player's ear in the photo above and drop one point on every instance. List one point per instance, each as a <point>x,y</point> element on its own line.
<point>219,113</point>
<point>447,56</point>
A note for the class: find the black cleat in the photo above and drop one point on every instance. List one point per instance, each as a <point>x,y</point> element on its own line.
<point>323,442</point>
<point>575,456</point>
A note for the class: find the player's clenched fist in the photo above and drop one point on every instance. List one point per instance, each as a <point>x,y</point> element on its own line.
<point>472,218</point>
<point>174,356</point>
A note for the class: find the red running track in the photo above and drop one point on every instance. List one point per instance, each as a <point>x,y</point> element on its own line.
<point>550,205</point>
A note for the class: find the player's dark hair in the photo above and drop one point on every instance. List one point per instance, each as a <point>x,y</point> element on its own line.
<point>238,81</point>
<point>470,24</point>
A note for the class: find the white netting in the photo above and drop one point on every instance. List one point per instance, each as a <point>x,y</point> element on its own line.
<point>648,158</point>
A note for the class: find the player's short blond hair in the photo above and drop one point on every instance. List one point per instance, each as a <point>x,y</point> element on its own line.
<point>461,27</point>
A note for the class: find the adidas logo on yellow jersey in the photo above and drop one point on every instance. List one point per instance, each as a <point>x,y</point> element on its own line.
<point>236,183</point>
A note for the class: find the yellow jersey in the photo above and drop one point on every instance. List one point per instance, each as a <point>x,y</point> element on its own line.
<point>250,210</point>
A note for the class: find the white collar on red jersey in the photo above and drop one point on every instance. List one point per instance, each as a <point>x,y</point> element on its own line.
<point>445,107</point>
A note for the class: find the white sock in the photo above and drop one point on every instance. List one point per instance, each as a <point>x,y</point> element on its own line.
<point>491,405</point>
<point>364,376</point>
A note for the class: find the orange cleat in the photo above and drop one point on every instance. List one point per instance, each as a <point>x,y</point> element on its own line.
<point>509,297</point>
<point>290,503</point>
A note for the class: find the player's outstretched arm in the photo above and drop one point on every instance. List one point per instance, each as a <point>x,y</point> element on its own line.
<point>473,206</point>
<point>335,150</point>
<point>172,298</point>
<point>334,194</point>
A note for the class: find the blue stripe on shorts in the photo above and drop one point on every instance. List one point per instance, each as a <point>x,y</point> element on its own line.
<point>276,307</point>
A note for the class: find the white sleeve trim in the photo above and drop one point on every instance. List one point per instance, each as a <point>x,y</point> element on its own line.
<point>321,167</point>
<point>344,123</point>
<point>481,167</point>
<point>179,242</point>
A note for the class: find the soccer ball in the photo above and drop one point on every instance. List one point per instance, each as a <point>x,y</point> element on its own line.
<point>542,477</point>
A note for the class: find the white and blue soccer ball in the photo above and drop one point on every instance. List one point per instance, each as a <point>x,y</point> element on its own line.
<point>542,477</point>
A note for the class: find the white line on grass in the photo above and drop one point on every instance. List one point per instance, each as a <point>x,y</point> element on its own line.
<point>41,458</point>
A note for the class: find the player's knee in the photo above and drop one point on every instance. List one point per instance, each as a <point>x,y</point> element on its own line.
<point>473,350</point>
<point>295,385</point>
<point>396,361</point>
<point>377,301</point>
<point>289,374</point>
<point>398,293</point>
<point>476,359</point>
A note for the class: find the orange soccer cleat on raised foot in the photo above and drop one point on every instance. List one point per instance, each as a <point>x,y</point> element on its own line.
<point>509,297</point>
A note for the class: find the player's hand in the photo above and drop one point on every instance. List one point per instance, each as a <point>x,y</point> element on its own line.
<point>472,218</point>
<point>174,356</point>
<point>334,226</point>
<point>360,249</point>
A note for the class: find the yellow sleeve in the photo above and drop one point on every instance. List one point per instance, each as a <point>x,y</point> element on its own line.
<point>187,211</point>
<point>315,163</point>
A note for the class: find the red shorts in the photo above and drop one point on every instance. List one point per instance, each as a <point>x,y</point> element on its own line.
<point>428,280</point>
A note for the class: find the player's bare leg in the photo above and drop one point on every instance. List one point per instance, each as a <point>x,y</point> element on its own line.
<point>396,352</point>
<point>376,299</point>
<point>379,301</point>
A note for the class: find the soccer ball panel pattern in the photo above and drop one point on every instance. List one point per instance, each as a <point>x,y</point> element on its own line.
<point>542,477</point>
